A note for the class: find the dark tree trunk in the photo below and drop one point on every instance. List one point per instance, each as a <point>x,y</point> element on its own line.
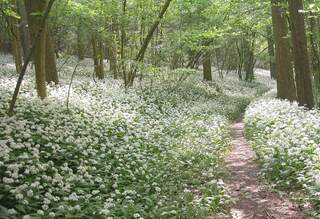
<point>24,30</point>
<point>271,53</point>
<point>300,54</point>
<point>101,59</point>
<point>285,78</point>
<point>16,42</point>
<point>207,72</point>
<point>97,57</point>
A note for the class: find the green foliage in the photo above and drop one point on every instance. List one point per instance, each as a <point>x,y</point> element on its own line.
<point>286,140</point>
<point>153,152</point>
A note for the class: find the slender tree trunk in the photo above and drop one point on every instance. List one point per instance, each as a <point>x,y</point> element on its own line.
<point>142,51</point>
<point>16,43</point>
<point>123,41</point>
<point>249,62</point>
<point>240,58</point>
<point>95,55</point>
<point>1,42</point>
<point>97,51</point>
<point>123,31</point>
<point>51,63</point>
<point>285,78</point>
<point>249,66</point>
<point>207,72</point>
<point>113,49</point>
<point>315,51</point>
<point>80,46</point>
<point>300,54</point>
<point>24,31</point>
<point>34,21</point>
<point>271,52</point>
<point>113,60</point>
<point>101,59</point>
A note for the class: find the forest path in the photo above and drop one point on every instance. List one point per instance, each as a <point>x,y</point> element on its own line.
<point>252,200</point>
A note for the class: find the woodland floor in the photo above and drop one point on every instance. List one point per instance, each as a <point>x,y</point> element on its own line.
<point>251,199</point>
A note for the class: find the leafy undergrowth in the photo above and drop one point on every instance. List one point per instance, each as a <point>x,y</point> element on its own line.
<point>153,151</point>
<point>286,138</point>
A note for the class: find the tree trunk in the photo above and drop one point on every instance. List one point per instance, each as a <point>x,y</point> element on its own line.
<point>24,30</point>
<point>16,43</point>
<point>142,51</point>
<point>95,55</point>
<point>80,46</point>
<point>249,66</point>
<point>97,58</point>
<point>123,42</point>
<point>113,49</point>
<point>207,73</point>
<point>240,58</point>
<point>101,59</point>
<point>51,64</point>
<point>34,22</point>
<point>300,54</point>
<point>36,39</point>
<point>113,60</point>
<point>285,79</point>
<point>249,61</point>
<point>271,52</point>
<point>315,50</point>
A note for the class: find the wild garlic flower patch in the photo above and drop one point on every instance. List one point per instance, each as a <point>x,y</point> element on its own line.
<point>286,138</point>
<point>147,152</point>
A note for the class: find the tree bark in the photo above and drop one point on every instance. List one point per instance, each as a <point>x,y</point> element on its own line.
<point>80,46</point>
<point>101,59</point>
<point>16,42</point>
<point>51,63</point>
<point>207,72</point>
<point>249,55</point>
<point>315,51</point>
<point>113,49</point>
<point>271,53</point>
<point>113,60</point>
<point>34,22</point>
<point>123,41</point>
<point>24,30</point>
<point>240,57</point>
<point>285,78</point>
<point>97,57</point>
<point>300,54</point>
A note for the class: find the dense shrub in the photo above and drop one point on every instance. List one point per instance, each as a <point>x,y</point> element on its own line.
<point>151,151</point>
<point>286,138</point>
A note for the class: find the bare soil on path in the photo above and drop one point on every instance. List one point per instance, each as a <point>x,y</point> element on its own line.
<point>251,199</point>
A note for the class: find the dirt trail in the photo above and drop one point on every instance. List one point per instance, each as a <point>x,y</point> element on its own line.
<point>251,199</point>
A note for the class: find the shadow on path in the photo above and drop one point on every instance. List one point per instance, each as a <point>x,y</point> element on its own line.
<point>251,199</point>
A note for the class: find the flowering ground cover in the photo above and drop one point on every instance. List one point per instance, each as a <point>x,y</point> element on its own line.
<point>152,151</point>
<point>286,140</point>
